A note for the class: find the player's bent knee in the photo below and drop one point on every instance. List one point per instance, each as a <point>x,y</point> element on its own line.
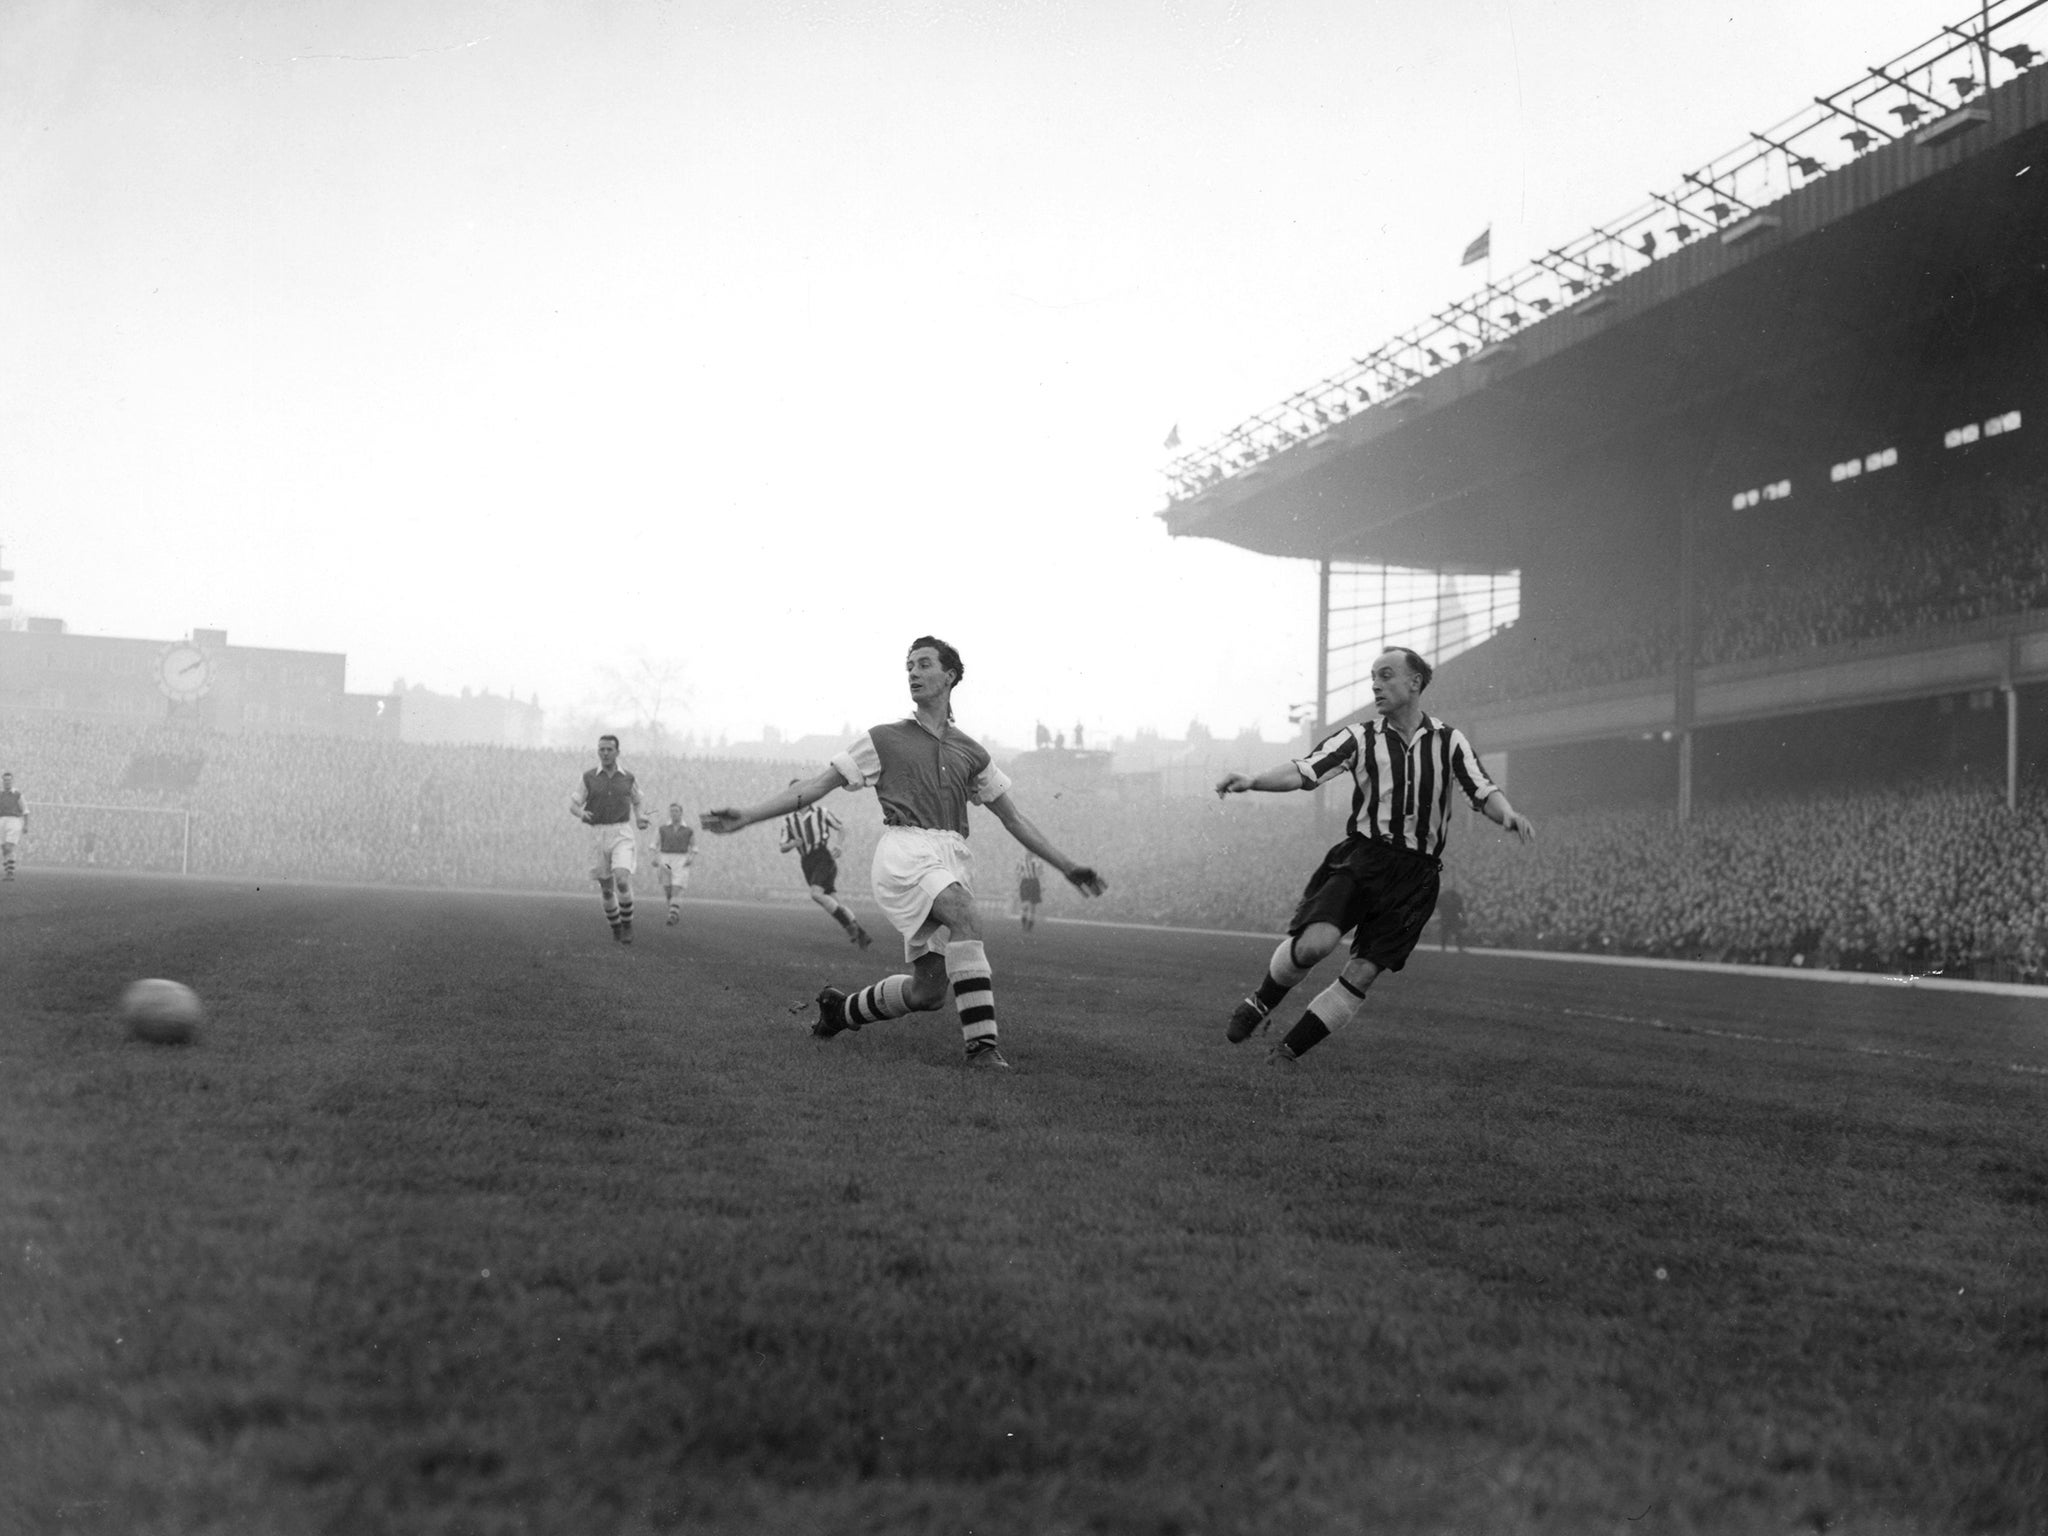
<point>1360,973</point>
<point>1314,943</point>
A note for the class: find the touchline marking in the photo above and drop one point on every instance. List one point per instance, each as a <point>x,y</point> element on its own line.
<point>1749,1037</point>
<point>794,903</point>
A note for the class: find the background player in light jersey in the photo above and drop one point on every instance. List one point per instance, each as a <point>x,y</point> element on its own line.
<point>675,850</point>
<point>609,803</point>
<point>1030,892</point>
<point>13,822</point>
<point>817,836</point>
<point>925,772</point>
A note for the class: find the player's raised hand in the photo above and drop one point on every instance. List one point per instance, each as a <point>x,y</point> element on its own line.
<point>1233,784</point>
<point>1084,879</point>
<point>724,819</point>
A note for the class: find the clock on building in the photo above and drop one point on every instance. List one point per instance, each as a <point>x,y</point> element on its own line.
<point>184,671</point>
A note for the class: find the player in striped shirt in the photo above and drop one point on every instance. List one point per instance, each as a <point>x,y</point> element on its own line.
<point>925,772</point>
<point>815,835</point>
<point>1381,880</point>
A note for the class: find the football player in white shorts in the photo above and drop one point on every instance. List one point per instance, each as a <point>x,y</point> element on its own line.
<point>608,802</point>
<point>925,771</point>
<point>13,822</point>
<point>675,850</point>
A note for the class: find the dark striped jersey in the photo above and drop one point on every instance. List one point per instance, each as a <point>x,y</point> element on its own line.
<point>809,829</point>
<point>607,798</point>
<point>677,836</point>
<point>1401,791</point>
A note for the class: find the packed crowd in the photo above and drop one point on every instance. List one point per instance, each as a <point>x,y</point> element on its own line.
<point>1930,878</point>
<point>1925,879</point>
<point>1778,579</point>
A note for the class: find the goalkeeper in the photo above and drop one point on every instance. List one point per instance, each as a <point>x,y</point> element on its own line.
<point>925,771</point>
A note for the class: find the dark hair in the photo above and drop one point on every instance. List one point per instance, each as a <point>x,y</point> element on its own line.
<point>607,737</point>
<point>1423,670</point>
<point>949,658</point>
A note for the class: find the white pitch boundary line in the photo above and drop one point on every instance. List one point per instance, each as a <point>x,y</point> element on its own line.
<point>1648,962</point>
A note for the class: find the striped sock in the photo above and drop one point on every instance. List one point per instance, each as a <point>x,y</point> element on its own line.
<point>973,991</point>
<point>611,905</point>
<point>625,903</point>
<point>884,1000</point>
<point>841,916</point>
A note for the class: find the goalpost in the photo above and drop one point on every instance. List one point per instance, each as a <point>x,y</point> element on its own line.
<point>120,836</point>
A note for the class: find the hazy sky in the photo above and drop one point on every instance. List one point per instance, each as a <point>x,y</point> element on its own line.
<point>495,342</point>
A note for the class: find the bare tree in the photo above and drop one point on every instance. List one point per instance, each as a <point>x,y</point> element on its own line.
<point>650,695</point>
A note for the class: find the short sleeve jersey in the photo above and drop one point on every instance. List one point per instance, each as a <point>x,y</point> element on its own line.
<point>923,780</point>
<point>607,797</point>
<point>677,837</point>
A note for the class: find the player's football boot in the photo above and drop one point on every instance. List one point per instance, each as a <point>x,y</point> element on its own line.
<point>625,930</point>
<point>618,934</point>
<point>1246,1020</point>
<point>1282,1059</point>
<point>983,1056</point>
<point>832,1017</point>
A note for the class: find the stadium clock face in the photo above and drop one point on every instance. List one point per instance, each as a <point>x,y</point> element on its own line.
<point>183,671</point>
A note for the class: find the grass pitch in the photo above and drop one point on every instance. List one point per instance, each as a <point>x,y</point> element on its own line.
<point>461,1219</point>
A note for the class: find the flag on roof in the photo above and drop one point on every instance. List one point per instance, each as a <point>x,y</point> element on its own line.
<point>1479,249</point>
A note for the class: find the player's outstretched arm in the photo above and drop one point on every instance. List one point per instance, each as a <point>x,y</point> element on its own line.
<point>1081,876</point>
<point>1498,810</point>
<point>1277,780</point>
<point>795,798</point>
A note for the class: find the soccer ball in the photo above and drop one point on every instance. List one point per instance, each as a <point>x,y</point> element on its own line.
<point>161,1012</point>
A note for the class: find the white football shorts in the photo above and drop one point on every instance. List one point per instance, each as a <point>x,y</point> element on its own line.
<point>676,867</point>
<point>614,850</point>
<point>912,865</point>
<point>10,828</point>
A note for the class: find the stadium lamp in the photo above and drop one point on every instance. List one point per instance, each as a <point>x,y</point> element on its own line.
<point>1857,140</point>
<point>1965,86</point>
<point>1808,166</point>
<point>1908,112</point>
<point>1649,243</point>
<point>1435,357</point>
<point>1608,271</point>
<point>1683,232</point>
<point>1542,306</point>
<point>2019,55</point>
<point>1720,211</point>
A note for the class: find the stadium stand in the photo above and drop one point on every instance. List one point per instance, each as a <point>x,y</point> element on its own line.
<point>1862,563</point>
<point>1924,877</point>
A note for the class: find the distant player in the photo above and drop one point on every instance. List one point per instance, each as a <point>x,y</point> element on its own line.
<point>1450,912</point>
<point>815,835</point>
<point>609,803</point>
<point>13,822</point>
<point>1381,880</point>
<point>1029,892</point>
<point>674,852</point>
<point>925,772</point>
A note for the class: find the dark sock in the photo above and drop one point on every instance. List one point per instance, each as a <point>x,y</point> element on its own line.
<point>1272,993</point>
<point>1308,1032</point>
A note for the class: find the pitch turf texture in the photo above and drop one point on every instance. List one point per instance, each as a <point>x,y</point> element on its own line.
<point>460,1218</point>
